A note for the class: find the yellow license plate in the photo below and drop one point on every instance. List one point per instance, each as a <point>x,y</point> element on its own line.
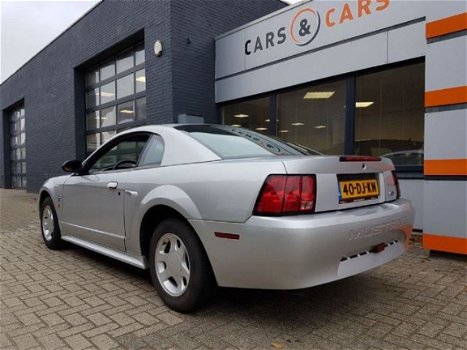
<point>351,190</point>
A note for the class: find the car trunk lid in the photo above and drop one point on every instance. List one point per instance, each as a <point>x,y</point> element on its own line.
<point>344,182</point>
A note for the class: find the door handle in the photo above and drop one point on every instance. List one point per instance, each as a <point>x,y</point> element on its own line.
<point>112,185</point>
<point>131,193</point>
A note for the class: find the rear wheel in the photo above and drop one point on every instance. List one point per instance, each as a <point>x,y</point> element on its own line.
<point>180,269</point>
<point>49,225</point>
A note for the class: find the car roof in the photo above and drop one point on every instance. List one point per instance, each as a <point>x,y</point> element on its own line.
<point>154,128</point>
<point>179,147</point>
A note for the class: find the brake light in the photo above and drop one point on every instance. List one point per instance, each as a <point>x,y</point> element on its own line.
<point>286,194</point>
<point>396,183</point>
<point>359,159</point>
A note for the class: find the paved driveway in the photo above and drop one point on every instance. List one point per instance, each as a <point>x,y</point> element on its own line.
<point>77,299</point>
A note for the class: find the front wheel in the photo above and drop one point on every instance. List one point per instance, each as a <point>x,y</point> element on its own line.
<point>180,269</point>
<point>49,225</point>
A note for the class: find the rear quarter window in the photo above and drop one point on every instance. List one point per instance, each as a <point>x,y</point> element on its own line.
<point>153,153</point>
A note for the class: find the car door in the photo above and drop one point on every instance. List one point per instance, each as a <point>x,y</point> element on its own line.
<point>93,200</point>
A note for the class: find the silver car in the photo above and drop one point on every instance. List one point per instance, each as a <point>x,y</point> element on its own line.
<point>209,205</point>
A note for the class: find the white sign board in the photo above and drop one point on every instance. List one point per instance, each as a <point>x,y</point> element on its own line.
<point>309,26</point>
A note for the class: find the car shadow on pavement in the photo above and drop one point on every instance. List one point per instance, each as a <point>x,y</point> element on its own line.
<point>345,304</point>
<point>355,312</point>
<point>324,301</point>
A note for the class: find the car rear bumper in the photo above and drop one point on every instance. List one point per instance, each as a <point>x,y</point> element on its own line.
<point>302,251</point>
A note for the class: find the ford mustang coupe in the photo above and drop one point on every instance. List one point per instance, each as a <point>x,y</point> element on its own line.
<point>209,205</point>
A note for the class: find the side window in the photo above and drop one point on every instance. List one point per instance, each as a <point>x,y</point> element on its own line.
<point>153,153</point>
<point>123,155</point>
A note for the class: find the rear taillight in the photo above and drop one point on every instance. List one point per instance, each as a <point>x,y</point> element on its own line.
<point>396,183</point>
<point>287,194</point>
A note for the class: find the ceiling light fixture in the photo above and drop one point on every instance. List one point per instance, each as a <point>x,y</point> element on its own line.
<point>267,120</point>
<point>127,111</point>
<point>363,104</point>
<point>318,95</point>
<point>261,129</point>
<point>298,124</point>
<point>320,127</point>
<point>107,94</point>
<point>141,79</point>
<point>236,125</point>
<point>283,131</point>
<point>241,115</point>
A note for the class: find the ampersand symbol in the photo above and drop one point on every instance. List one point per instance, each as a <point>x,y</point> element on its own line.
<point>304,28</point>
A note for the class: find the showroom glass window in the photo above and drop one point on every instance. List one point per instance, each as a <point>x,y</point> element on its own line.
<point>389,117</point>
<point>115,91</point>
<point>314,117</point>
<point>253,115</point>
<point>18,147</point>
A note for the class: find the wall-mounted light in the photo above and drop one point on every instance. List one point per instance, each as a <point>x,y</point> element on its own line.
<point>158,48</point>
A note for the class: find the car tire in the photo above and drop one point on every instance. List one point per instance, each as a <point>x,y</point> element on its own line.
<point>180,269</point>
<point>49,225</point>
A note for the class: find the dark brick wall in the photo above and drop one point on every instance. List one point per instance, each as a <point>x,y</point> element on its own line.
<point>180,81</point>
<point>195,24</point>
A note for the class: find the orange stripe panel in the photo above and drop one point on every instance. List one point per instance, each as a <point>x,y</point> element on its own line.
<point>446,25</point>
<point>445,243</point>
<point>445,97</point>
<point>445,167</point>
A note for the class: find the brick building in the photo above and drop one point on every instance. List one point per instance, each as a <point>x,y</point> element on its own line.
<point>102,75</point>
<point>381,77</point>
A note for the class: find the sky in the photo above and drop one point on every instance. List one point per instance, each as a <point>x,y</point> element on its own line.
<point>26,27</point>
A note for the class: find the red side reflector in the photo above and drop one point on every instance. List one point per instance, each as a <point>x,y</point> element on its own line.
<point>227,235</point>
<point>359,159</point>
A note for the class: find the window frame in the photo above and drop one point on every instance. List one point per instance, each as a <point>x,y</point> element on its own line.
<point>137,121</point>
<point>16,115</point>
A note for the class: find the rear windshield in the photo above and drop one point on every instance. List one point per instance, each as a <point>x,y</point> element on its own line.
<point>233,142</point>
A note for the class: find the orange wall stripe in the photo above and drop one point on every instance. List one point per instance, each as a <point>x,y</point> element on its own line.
<point>445,243</point>
<point>445,167</point>
<point>445,97</point>
<point>446,25</point>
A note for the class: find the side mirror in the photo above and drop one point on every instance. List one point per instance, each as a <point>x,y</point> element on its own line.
<point>72,166</point>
